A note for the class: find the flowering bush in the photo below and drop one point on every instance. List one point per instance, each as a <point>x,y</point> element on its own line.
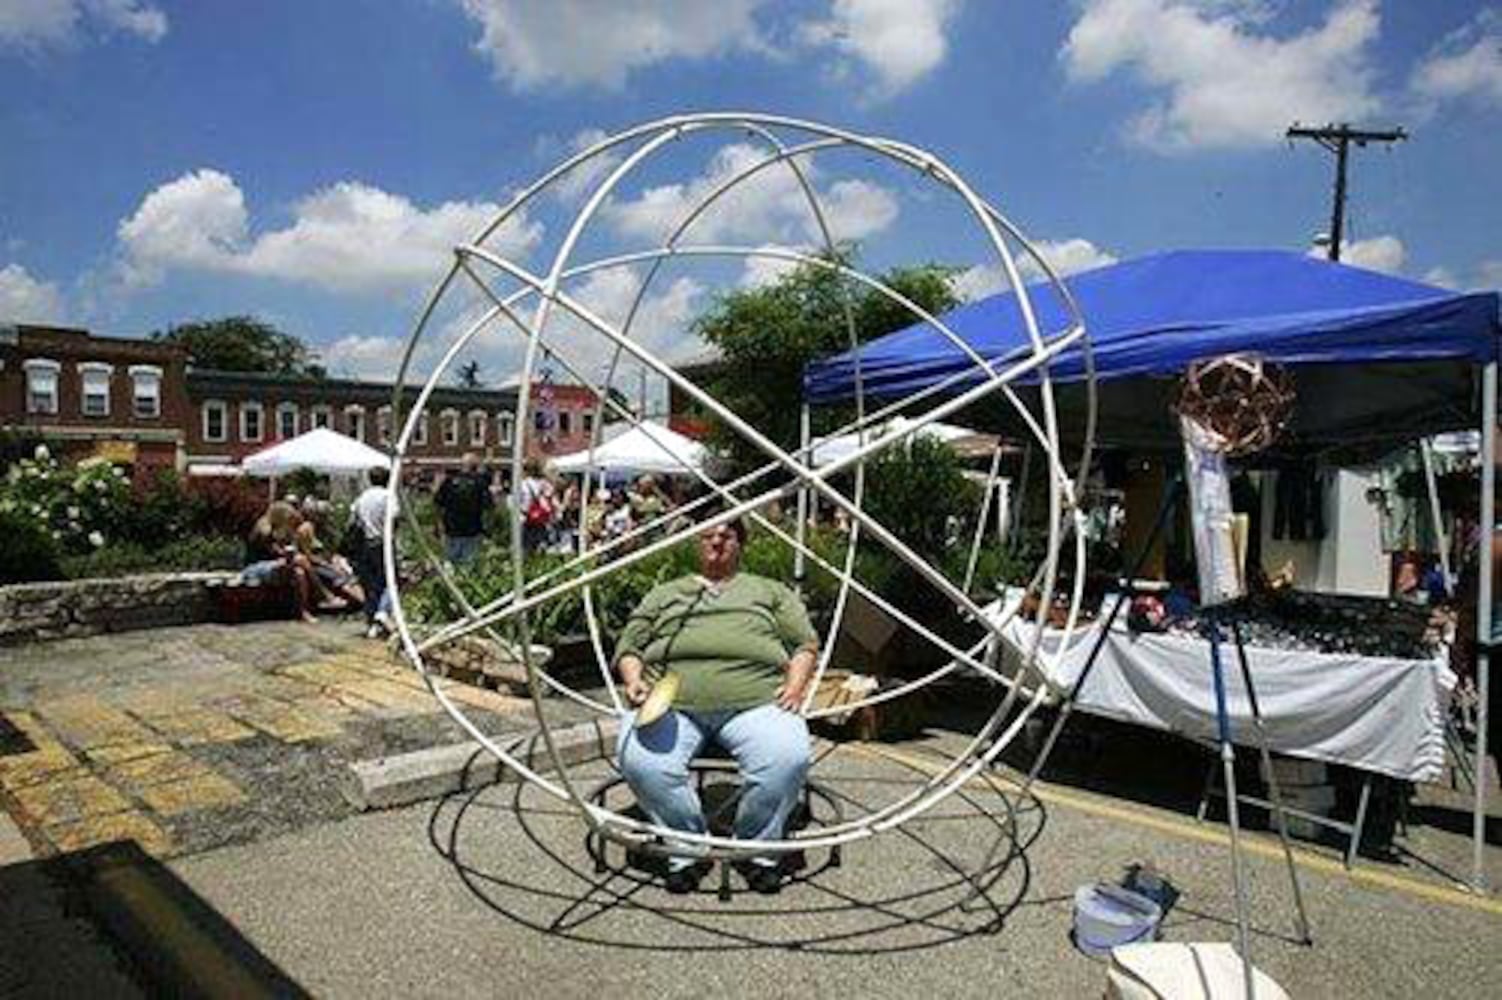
<point>78,509</point>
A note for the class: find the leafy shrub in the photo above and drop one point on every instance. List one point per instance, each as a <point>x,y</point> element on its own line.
<point>27,550</point>
<point>223,506</point>
<point>159,510</point>
<point>195,553</point>
<point>78,508</point>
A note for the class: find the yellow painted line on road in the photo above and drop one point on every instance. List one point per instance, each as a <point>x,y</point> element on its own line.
<point>1194,831</point>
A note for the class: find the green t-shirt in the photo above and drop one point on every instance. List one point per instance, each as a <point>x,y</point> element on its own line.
<point>729,642</point>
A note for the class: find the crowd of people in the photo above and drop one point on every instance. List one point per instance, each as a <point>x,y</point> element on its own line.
<point>294,544</point>
<point>340,567</point>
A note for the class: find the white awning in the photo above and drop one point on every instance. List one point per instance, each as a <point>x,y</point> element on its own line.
<point>321,450</point>
<point>650,447</point>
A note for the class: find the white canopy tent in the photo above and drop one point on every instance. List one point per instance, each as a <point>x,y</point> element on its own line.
<point>649,447</point>
<point>964,440</point>
<point>321,450</point>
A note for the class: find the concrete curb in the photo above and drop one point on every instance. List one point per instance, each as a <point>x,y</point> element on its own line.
<point>390,782</point>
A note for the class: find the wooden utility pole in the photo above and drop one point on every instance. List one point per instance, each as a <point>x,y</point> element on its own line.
<point>1337,139</point>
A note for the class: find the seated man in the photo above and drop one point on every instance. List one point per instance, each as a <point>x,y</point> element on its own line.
<point>745,652</point>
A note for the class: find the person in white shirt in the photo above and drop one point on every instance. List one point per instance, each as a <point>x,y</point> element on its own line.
<point>368,514</point>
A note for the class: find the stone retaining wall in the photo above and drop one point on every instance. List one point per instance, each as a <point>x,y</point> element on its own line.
<point>30,612</point>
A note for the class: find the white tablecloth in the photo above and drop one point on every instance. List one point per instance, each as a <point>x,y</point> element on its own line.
<point>1378,714</point>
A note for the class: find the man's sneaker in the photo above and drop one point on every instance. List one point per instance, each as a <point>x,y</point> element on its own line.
<point>765,879</point>
<point>682,881</point>
<point>385,621</point>
<point>374,631</point>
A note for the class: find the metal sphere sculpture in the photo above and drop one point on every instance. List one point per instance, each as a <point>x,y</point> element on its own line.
<point>1243,400</point>
<point>545,311</point>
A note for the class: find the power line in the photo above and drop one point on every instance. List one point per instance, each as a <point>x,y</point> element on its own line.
<point>1337,139</point>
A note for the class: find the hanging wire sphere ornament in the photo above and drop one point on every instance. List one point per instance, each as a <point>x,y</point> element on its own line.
<point>1243,400</point>
<point>544,302</point>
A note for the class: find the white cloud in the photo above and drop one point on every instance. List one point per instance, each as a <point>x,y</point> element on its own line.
<point>1224,83</point>
<point>770,206</point>
<point>600,42</point>
<point>573,186</point>
<point>759,271</point>
<point>1484,277</point>
<point>1441,276</point>
<point>660,325</point>
<point>1490,273</point>
<point>1466,64</point>
<point>1066,257</point>
<point>898,41</point>
<point>24,299</point>
<point>349,237</point>
<point>1380,253</point>
<point>37,23</point>
<point>196,221</point>
<point>367,357</point>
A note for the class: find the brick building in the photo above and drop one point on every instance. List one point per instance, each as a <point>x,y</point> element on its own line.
<point>123,400</point>
<point>235,414</point>
<point>138,403</point>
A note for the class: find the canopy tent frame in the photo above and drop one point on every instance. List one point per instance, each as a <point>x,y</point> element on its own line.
<point>1444,338</point>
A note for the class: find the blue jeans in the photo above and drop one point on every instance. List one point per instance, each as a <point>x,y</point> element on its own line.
<point>460,549</point>
<point>770,744</point>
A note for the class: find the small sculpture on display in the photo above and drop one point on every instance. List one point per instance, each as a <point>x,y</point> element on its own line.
<point>1243,400</point>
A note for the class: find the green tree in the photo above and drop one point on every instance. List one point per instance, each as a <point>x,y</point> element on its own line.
<point>767,335</point>
<point>243,344</point>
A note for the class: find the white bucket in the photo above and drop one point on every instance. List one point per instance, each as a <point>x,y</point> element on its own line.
<point>1106,916</point>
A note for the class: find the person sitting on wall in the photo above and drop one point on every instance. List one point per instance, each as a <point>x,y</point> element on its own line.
<point>272,556</point>
<point>744,651</point>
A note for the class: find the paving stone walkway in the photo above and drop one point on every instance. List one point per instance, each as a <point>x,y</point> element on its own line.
<point>186,739</point>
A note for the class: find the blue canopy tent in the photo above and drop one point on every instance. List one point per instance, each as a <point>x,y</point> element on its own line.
<point>1377,359</point>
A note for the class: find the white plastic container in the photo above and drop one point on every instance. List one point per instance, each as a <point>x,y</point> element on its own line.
<point>1106,916</point>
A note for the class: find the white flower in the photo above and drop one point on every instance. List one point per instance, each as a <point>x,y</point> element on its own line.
<point>36,508</point>
<point>41,454</point>
<point>96,539</point>
<point>56,534</point>
<point>73,513</point>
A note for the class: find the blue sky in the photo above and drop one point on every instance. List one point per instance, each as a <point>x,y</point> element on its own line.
<point>313,163</point>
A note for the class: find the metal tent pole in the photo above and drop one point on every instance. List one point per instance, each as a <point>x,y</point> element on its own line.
<point>800,531</point>
<point>1427,452</point>
<point>1302,917</point>
<point>1484,615</point>
<point>1228,765</point>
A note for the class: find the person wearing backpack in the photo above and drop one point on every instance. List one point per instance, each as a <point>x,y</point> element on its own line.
<point>536,505</point>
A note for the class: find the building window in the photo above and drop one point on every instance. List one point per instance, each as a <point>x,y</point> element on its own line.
<point>449,420</point>
<point>251,417</point>
<point>41,385</point>
<point>588,422</point>
<point>286,421</point>
<point>354,422</point>
<point>565,423</point>
<point>215,421</point>
<point>146,391</point>
<point>477,428</point>
<point>320,417</point>
<point>420,434</point>
<point>95,379</point>
<point>383,425</point>
<point>505,426</point>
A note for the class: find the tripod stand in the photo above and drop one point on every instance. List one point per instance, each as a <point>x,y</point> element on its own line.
<point>1215,619</point>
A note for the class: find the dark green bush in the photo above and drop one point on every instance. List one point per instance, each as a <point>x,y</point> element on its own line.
<point>28,551</point>
<point>194,553</point>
